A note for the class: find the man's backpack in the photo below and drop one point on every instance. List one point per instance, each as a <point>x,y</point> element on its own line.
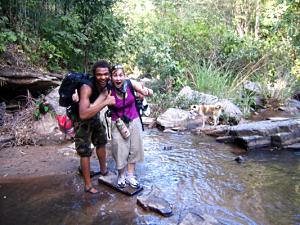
<point>68,86</point>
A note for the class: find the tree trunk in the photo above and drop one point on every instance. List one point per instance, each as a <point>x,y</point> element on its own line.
<point>257,17</point>
<point>86,60</point>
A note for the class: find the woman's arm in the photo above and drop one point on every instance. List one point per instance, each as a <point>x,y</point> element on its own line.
<point>138,87</point>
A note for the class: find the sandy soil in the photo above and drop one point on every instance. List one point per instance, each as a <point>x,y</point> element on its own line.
<point>38,160</point>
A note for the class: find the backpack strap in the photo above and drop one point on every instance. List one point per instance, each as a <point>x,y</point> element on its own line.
<point>135,100</point>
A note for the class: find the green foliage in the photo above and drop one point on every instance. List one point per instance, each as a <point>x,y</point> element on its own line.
<point>209,79</point>
<point>6,35</point>
<point>185,103</point>
<point>63,34</point>
<point>276,92</point>
<point>40,109</point>
<point>246,102</point>
<point>211,45</point>
<point>5,38</point>
<point>52,56</point>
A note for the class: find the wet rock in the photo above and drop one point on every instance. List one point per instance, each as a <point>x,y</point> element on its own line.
<point>264,134</point>
<point>193,218</point>
<point>253,142</point>
<point>152,201</point>
<point>286,138</point>
<point>239,159</point>
<point>216,131</point>
<point>2,112</point>
<point>167,148</point>
<point>225,139</point>
<point>265,128</point>
<point>293,147</point>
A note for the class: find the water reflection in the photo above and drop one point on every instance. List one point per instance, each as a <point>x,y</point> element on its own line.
<point>195,174</point>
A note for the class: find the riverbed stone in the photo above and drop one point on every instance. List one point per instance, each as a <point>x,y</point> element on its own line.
<point>192,218</point>
<point>253,142</point>
<point>265,128</point>
<point>286,138</point>
<point>173,118</point>
<point>293,147</point>
<point>226,139</point>
<point>154,202</point>
<point>264,134</point>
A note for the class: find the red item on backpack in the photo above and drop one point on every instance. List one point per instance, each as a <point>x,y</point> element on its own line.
<point>65,125</point>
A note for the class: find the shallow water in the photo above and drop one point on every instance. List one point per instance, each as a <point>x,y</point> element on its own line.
<point>193,173</point>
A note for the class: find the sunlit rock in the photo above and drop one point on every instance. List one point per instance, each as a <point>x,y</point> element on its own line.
<point>52,98</point>
<point>173,118</point>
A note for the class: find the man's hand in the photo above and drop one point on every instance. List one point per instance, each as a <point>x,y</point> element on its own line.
<point>75,96</point>
<point>110,100</point>
<point>106,98</point>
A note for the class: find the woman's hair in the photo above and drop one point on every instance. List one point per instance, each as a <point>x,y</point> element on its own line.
<point>101,64</point>
<point>117,67</point>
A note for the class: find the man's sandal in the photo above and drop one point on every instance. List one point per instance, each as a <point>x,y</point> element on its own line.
<point>91,190</point>
<point>104,174</point>
<point>93,173</point>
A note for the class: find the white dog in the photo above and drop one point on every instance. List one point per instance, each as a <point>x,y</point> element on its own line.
<point>207,110</point>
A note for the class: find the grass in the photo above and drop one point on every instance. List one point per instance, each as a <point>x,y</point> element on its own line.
<point>210,80</point>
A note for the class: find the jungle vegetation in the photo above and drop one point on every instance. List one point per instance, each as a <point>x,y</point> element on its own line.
<point>212,46</point>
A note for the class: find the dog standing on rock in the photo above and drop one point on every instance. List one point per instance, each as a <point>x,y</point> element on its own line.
<point>207,110</point>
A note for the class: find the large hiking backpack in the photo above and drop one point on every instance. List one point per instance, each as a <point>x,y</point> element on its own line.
<point>68,86</point>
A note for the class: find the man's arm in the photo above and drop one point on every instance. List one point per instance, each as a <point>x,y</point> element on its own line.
<point>88,109</point>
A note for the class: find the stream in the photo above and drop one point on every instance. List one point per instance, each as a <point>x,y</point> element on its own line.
<point>193,173</point>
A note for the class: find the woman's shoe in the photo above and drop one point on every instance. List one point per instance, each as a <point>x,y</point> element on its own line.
<point>121,181</point>
<point>132,181</point>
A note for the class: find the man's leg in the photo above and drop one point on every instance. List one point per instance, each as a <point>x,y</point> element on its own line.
<point>101,154</point>
<point>85,166</point>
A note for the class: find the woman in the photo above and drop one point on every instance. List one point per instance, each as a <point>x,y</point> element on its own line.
<point>127,151</point>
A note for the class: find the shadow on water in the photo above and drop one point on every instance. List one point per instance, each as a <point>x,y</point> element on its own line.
<point>194,174</point>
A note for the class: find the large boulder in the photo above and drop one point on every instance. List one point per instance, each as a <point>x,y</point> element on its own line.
<point>173,118</point>
<point>190,95</point>
<point>230,109</point>
<point>52,99</point>
<point>18,80</point>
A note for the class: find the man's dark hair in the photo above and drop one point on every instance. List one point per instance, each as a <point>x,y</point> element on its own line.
<point>101,64</point>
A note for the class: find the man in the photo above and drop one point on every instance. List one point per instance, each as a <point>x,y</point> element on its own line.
<point>88,127</point>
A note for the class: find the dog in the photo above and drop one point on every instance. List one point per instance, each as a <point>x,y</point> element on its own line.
<point>207,110</point>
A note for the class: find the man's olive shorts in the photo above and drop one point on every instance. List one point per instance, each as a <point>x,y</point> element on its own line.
<point>87,132</point>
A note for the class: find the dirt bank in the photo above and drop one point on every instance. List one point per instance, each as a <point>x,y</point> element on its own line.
<point>37,161</point>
